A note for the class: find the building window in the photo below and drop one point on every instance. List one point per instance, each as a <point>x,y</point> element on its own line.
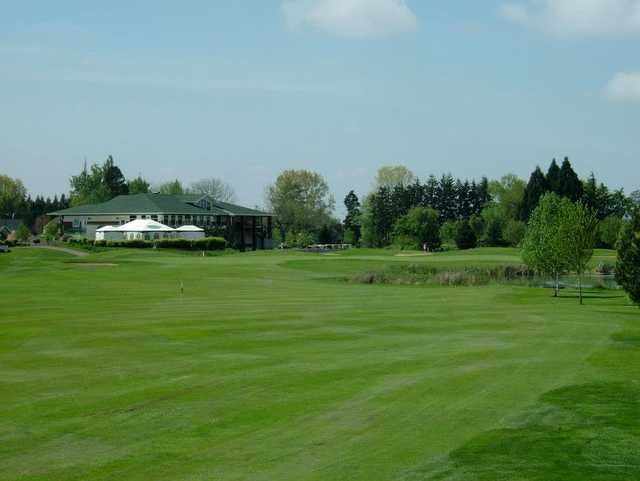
<point>154,217</point>
<point>132,217</point>
<point>179,219</point>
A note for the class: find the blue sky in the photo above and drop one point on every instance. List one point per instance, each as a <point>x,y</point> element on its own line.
<point>242,90</point>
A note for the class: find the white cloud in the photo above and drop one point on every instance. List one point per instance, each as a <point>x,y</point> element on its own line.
<point>624,86</point>
<point>351,18</point>
<point>577,17</point>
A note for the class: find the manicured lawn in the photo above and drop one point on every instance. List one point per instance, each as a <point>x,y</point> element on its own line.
<point>269,367</point>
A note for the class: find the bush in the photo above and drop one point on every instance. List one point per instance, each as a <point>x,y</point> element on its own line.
<point>465,237</point>
<point>203,244</point>
<point>303,239</point>
<point>51,230</point>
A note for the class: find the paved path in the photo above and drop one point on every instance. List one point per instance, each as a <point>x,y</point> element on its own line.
<point>73,252</point>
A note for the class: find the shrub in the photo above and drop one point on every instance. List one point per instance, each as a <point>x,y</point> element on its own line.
<point>50,231</point>
<point>465,237</point>
<point>23,233</point>
<point>203,244</point>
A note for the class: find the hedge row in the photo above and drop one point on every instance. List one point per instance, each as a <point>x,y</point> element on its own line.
<point>204,244</point>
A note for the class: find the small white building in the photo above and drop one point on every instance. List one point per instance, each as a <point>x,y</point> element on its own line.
<point>190,232</point>
<point>108,232</point>
<point>145,229</point>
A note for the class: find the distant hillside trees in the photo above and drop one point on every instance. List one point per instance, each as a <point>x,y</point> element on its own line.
<point>628,265</point>
<point>301,202</point>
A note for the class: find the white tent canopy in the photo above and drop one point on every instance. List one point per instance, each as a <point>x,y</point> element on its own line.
<point>189,228</point>
<point>144,225</point>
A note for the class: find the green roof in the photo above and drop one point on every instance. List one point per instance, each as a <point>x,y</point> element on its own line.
<point>159,204</point>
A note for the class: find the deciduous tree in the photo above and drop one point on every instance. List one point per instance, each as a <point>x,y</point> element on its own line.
<point>216,188</point>
<point>301,201</point>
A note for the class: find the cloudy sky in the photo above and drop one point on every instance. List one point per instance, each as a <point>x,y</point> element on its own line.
<point>244,89</point>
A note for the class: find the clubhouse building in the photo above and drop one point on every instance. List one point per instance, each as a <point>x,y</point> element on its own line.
<point>247,229</point>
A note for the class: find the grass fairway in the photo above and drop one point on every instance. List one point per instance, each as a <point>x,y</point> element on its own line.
<point>268,367</point>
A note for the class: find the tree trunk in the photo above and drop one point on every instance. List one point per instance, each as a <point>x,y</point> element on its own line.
<point>580,287</point>
<point>556,285</point>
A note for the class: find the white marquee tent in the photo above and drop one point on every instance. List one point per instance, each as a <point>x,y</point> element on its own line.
<point>190,232</point>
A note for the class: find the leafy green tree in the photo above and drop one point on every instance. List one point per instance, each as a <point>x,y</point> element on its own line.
<point>172,187</point>
<point>570,184</point>
<point>578,227</point>
<point>98,184</point>
<point>508,193</point>
<point>535,189</point>
<point>544,248</point>
<point>514,232</point>
<point>628,265</point>
<point>465,237</point>
<point>353,222</point>
<point>13,197</point>
<point>23,233</point>
<point>609,230</point>
<point>422,226</point>
<point>392,176</point>
<point>301,201</point>
<point>139,186</point>
<point>448,231</point>
<point>635,198</point>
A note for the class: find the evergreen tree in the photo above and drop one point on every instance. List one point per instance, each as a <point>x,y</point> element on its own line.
<point>535,189</point>
<point>114,179</point>
<point>352,221</point>
<point>553,178</point>
<point>430,193</point>
<point>570,185</point>
<point>628,265</point>
<point>447,198</point>
<point>484,196</point>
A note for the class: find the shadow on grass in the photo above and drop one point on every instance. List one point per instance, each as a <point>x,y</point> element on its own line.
<point>585,432</point>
